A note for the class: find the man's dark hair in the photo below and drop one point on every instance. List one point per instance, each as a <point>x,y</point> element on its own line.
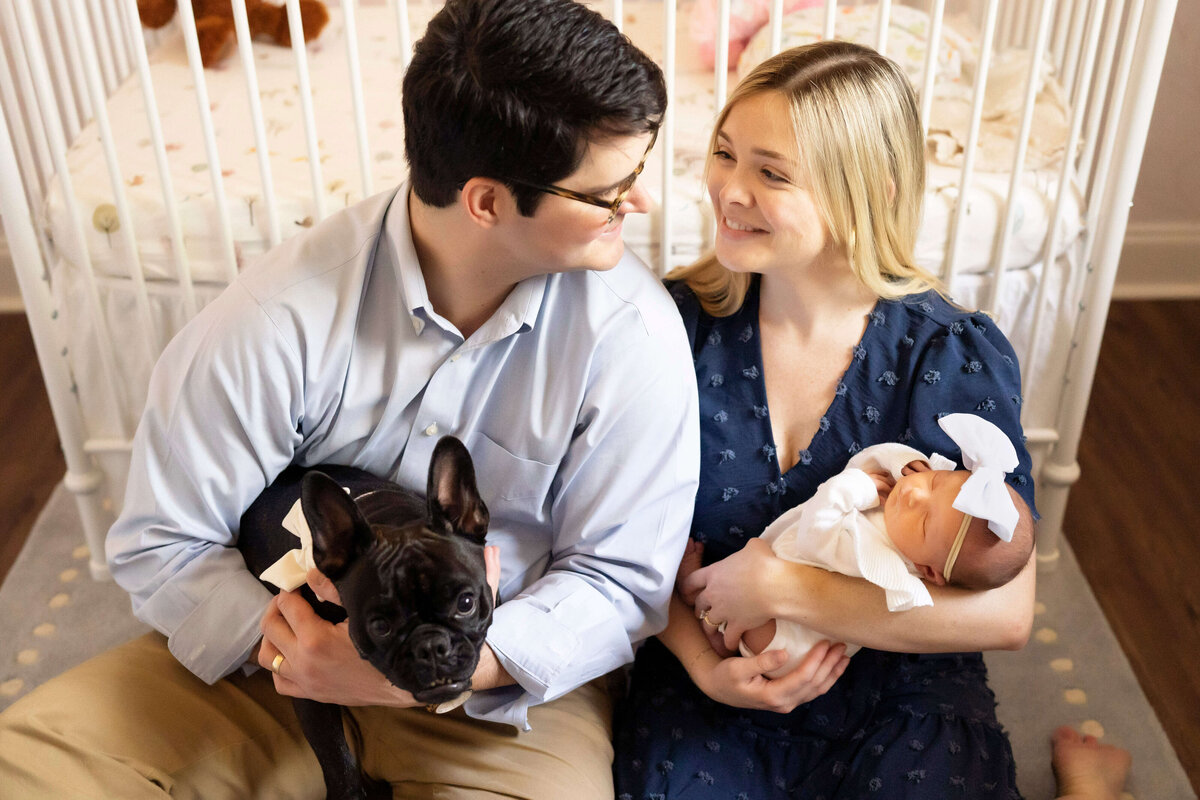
<point>516,90</point>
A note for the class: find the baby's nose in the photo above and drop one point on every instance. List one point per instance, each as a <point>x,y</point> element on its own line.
<point>916,494</point>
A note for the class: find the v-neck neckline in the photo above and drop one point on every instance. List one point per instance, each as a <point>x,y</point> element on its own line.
<point>818,439</point>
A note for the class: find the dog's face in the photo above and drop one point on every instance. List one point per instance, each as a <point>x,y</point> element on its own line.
<point>411,577</point>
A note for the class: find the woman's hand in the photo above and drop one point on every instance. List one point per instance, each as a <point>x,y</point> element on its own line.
<point>743,683</point>
<point>736,591</point>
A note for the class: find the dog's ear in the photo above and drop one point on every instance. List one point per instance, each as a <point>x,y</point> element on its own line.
<point>452,494</point>
<point>339,532</point>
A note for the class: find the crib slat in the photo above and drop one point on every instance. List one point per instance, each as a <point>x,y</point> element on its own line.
<point>937,10</point>
<point>1062,24</point>
<point>618,14</point>
<point>32,181</point>
<point>666,140</point>
<point>149,339</point>
<point>1065,186</point>
<point>62,81</point>
<point>58,151</point>
<point>82,475</point>
<point>306,108</point>
<point>38,133</point>
<point>721,67</point>
<point>968,167</point>
<point>830,19</point>
<point>356,95</point>
<point>1096,110</point>
<point>262,149</point>
<point>881,30</point>
<point>403,31</point>
<point>1069,70</point>
<point>187,21</point>
<point>776,26</point>
<point>174,228</point>
<point>106,57</point>
<point>82,104</point>
<point>1018,168</point>
<point>112,27</point>
<point>1120,86</point>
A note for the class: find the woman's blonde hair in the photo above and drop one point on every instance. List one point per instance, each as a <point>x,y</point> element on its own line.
<point>864,155</point>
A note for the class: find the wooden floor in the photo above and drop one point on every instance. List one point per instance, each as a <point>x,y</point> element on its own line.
<point>1133,519</point>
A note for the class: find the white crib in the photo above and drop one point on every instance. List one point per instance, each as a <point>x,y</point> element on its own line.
<point>134,183</point>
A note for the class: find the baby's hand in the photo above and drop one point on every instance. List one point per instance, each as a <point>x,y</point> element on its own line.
<point>915,466</point>
<point>883,483</point>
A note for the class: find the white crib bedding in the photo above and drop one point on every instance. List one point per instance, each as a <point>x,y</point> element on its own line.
<point>691,224</point>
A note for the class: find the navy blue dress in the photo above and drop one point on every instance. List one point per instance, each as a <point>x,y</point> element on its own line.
<point>894,725</point>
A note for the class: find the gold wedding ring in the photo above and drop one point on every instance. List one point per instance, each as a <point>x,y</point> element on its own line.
<point>276,663</point>
<point>704,618</point>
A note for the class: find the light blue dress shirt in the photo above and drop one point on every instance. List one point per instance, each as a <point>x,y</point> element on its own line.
<point>576,399</point>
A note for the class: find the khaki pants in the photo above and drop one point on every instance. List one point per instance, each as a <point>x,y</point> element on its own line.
<point>132,723</point>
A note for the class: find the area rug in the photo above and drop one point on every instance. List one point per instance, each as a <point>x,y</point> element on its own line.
<point>53,616</point>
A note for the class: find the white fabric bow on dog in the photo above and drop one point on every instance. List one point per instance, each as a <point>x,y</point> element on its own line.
<point>989,454</point>
<point>291,570</point>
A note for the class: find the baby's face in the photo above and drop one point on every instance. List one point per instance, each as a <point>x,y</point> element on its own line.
<point>920,518</point>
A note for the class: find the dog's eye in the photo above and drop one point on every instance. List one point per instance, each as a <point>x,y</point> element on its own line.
<point>466,603</point>
<point>380,628</point>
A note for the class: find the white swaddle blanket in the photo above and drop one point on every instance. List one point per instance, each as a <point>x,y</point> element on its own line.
<point>841,528</point>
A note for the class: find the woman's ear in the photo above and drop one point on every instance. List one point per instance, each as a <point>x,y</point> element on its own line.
<point>485,200</point>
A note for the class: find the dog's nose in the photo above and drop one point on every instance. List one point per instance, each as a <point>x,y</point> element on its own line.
<point>433,648</point>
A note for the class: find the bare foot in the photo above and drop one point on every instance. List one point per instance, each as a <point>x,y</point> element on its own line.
<point>1086,769</point>
<point>758,638</point>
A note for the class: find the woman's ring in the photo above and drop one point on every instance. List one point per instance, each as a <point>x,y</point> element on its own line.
<point>704,618</point>
<point>276,663</point>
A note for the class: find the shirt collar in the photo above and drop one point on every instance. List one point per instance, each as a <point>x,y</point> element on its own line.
<point>517,314</point>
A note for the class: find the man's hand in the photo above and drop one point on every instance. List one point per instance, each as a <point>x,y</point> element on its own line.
<point>319,660</point>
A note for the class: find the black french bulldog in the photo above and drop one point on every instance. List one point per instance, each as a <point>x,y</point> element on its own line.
<point>411,577</point>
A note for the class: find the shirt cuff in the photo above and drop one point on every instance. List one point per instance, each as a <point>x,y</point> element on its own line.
<point>215,639</point>
<point>550,650</point>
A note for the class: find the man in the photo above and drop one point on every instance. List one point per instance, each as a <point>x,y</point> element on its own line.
<point>491,299</point>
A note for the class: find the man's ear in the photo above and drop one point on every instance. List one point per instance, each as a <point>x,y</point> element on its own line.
<point>930,575</point>
<point>452,494</point>
<point>485,200</point>
<point>339,532</point>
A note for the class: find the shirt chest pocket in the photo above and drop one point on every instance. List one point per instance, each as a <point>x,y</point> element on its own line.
<point>514,488</point>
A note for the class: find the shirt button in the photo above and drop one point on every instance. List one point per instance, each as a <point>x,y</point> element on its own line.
<point>455,357</point>
<point>431,429</point>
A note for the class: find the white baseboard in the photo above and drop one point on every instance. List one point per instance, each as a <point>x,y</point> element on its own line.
<point>1160,261</point>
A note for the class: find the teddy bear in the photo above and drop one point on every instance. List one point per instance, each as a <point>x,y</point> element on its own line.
<point>215,28</point>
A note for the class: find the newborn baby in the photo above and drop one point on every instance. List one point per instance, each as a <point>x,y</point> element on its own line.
<point>897,518</point>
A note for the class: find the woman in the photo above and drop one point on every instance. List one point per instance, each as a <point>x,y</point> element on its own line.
<point>815,335</point>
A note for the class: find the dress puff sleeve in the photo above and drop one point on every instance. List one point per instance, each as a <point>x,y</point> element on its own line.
<point>967,365</point>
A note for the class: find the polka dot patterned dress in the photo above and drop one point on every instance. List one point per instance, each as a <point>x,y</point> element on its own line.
<point>894,725</point>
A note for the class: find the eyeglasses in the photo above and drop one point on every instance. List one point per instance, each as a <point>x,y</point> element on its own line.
<point>623,188</point>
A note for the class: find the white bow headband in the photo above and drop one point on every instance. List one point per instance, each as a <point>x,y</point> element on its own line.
<point>989,454</point>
